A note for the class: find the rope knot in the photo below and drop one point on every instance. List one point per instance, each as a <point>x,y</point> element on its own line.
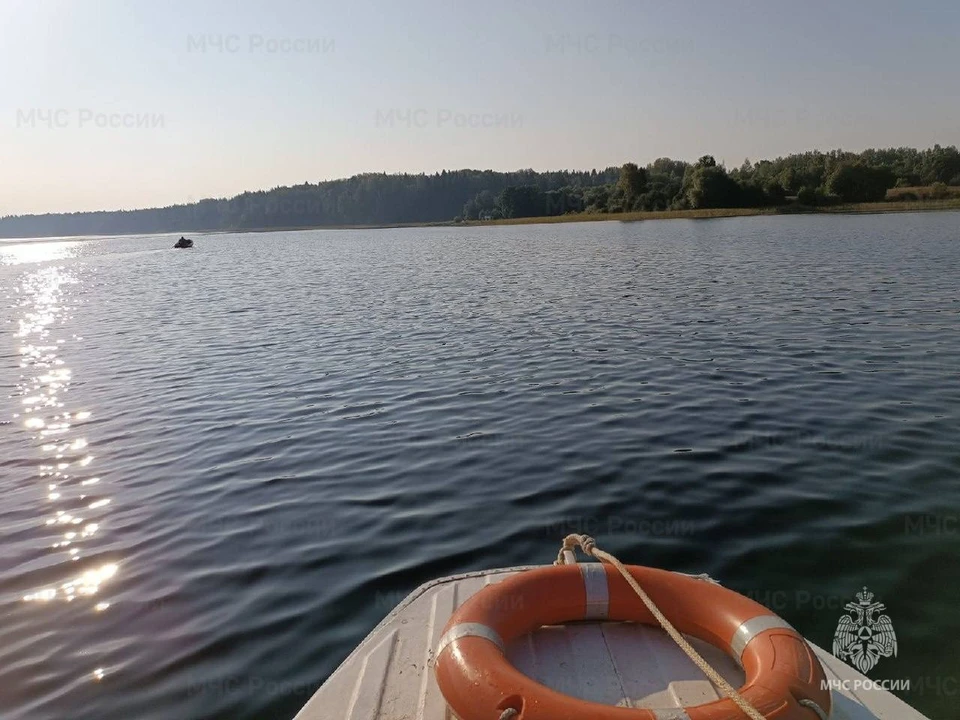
<point>572,542</point>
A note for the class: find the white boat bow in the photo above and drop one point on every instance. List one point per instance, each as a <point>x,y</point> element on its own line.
<point>389,676</point>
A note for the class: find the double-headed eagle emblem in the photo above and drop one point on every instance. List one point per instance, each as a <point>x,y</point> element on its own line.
<point>861,638</point>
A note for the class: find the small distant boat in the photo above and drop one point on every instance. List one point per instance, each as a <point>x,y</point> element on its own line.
<point>184,243</point>
<point>577,641</point>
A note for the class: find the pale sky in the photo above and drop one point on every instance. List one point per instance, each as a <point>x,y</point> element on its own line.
<point>234,96</point>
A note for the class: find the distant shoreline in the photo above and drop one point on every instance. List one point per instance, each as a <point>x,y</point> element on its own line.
<point>876,180</point>
<point>698,214</point>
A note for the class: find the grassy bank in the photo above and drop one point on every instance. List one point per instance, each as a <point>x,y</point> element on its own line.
<point>925,193</point>
<point>888,206</point>
<point>629,216</point>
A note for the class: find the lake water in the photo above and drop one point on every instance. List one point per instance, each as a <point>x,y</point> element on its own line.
<point>222,467</point>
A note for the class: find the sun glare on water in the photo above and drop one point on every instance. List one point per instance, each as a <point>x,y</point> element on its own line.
<point>36,251</point>
<point>71,508</point>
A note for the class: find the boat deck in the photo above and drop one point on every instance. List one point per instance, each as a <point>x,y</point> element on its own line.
<point>390,674</point>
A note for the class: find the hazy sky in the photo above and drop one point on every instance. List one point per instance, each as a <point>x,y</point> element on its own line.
<point>115,104</point>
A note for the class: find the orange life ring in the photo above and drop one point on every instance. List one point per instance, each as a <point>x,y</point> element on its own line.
<point>784,678</point>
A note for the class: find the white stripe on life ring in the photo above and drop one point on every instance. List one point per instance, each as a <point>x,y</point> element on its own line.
<point>753,627</point>
<point>469,630</point>
<point>598,594</point>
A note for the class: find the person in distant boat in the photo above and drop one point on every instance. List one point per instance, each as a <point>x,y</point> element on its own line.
<point>184,243</point>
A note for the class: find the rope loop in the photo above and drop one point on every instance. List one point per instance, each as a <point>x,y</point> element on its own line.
<point>589,546</point>
<point>572,542</point>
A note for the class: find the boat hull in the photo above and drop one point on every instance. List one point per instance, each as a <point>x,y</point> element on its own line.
<point>389,676</point>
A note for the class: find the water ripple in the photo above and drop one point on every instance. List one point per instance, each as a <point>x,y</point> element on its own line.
<point>256,449</point>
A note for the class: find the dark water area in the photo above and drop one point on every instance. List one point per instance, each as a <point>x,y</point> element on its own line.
<point>221,467</point>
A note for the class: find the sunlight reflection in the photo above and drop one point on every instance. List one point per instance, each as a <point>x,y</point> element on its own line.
<point>88,583</point>
<point>36,251</point>
<point>43,301</point>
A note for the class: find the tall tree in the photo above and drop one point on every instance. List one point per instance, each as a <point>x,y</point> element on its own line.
<point>632,183</point>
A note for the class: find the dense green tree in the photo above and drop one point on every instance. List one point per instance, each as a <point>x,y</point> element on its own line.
<point>858,182</point>
<point>596,199</point>
<point>471,211</point>
<point>521,201</point>
<point>486,200</point>
<point>707,185</point>
<point>943,165</point>
<point>807,196</point>
<point>667,167</point>
<point>752,194</point>
<point>565,200</point>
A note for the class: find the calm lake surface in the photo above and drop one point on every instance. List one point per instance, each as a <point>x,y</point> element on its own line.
<point>222,467</point>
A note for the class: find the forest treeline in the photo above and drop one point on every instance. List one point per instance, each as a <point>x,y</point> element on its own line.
<point>811,178</point>
<point>806,179</point>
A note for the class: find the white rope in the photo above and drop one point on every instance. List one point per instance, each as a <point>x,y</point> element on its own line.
<point>587,544</point>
